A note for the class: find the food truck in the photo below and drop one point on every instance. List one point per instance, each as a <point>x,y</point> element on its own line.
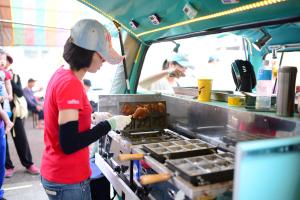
<point>229,147</point>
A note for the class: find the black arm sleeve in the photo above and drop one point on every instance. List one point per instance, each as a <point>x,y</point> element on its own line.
<point>71,140</point>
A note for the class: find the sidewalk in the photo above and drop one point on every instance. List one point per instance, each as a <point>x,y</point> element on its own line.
<point>23,186</point>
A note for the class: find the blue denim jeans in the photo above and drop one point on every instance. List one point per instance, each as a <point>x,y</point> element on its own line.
<point>2,156</point>
<point>56,191</point>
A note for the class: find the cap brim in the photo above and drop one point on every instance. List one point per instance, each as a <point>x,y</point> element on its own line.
<point>111,56</point>
<point>185,64</point>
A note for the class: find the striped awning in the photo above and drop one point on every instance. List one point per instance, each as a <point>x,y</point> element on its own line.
<point>39,22</point>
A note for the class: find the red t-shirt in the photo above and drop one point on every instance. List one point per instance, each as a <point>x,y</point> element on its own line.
<point>6,75</point>
<point>65,91</point>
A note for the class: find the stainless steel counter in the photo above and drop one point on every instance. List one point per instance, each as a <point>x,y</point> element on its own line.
<point>188,118</point>
<point>210,121</point>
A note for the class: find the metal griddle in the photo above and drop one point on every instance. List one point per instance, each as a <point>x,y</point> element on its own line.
<point>156,120</point>
<point>150,129</point>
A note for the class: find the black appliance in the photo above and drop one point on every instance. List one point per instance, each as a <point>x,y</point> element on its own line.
<point>243,75</point>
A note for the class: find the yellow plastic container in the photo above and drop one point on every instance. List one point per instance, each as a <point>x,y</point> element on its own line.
<point>234,101</point>
<point>204,90</point>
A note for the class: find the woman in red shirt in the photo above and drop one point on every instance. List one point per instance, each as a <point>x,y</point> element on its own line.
<point>65,165</point>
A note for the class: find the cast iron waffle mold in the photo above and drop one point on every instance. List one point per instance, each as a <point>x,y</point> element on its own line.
<point>202,170</point>
<point>163,151</point>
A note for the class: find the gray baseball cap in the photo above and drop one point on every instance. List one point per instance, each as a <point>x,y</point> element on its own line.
<point>92,35</point>
<point>181,59</point>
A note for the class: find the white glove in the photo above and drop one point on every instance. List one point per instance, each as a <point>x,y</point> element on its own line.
<point>100,116</point>
<point>119,122</point>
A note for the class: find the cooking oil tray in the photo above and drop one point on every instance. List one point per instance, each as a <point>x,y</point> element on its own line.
<point>163,151</point>
<point>202,170</point>
<point>155,119</point>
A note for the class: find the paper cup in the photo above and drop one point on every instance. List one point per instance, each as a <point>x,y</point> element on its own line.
<point>204,90</point>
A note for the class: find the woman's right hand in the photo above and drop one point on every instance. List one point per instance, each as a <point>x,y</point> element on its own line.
<point>177,72</point>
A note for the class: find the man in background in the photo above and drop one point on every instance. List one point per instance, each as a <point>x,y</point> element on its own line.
<point>33,105</point>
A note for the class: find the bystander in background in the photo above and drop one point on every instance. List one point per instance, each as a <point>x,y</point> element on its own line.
<point>5,85</point>
<point>18,131</point>
<point>33,104</point>
<point>173,69</point>
<point>3,94</point>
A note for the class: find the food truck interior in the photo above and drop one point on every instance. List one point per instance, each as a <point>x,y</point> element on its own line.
<point>180,148</point>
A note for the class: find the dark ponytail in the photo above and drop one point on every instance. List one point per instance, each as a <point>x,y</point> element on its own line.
<point>165,65</point>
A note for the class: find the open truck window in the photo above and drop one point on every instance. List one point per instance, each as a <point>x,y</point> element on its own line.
<point>209,56</point>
